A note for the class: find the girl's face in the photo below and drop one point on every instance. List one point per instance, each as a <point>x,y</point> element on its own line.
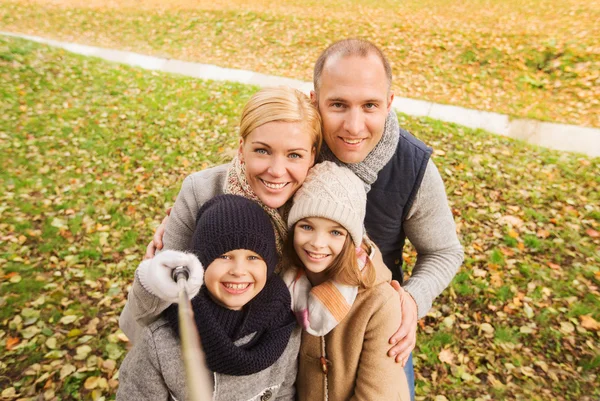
<point>277,157</point>
<point>317,242</point>
<point>236,277</point>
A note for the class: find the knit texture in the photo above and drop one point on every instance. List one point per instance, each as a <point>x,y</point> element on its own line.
<point>335,193</point>
<point>230,222</point>
<point>381,154</point>
<point>236,183</point>
<point>266,320</point>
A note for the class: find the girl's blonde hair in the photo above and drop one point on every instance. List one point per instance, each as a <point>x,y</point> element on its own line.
<point>344,269</point>
<point>281,104</point>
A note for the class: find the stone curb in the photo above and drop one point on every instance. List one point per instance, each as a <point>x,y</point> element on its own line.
<point>564,137</point>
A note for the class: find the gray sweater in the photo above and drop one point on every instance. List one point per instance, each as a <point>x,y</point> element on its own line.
<point>154,370</point>
<point>429,226</point>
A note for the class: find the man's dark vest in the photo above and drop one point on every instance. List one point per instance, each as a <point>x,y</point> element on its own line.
<point>391,197</point>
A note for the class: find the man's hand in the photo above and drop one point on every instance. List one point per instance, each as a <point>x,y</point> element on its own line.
<point>156,243</point>
<point>405,338</point>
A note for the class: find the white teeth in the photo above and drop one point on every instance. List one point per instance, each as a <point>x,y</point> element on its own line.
<point>274,185</point>
<point>236,286</point>
<point>352,141</point>
<point>317,255</point>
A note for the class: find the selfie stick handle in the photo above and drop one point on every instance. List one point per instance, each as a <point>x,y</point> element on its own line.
<point>197,375</point>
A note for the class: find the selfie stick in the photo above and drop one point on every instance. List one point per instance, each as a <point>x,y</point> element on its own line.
<point>198,385</point>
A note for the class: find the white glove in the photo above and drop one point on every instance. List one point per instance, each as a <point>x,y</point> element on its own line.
<point>155,274</point>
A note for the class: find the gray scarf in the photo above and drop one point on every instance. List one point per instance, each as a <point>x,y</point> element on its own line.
<point>381,154</point>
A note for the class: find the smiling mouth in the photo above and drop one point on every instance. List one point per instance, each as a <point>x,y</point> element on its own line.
<point>352,141</point>
<point>273,185</point>
<point>316,256</point>
<point>236,288</point>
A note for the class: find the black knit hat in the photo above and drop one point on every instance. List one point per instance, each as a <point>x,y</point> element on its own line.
<point>229,222</point>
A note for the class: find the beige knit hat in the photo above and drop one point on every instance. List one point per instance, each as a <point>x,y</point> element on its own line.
<point>335,193</point>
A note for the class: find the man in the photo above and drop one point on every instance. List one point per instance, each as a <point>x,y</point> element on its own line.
<point>406,198</point>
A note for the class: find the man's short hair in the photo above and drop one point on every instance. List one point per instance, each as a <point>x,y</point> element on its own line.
<point>346,48</point>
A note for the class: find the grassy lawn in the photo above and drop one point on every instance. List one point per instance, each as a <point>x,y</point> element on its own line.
<point>93,152</point>
<point>538,59</point>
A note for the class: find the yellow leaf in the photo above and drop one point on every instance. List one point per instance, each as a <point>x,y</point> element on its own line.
<point>446,356</point>
<point>91,382</point>
<point>66,370</point>
<point>588,322</point>
<point>68,319</point>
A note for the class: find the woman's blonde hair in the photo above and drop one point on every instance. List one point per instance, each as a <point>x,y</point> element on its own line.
<point>344,269</point>
<point>281,104</point>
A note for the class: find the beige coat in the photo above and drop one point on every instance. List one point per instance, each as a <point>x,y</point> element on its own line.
<point>359,368</point>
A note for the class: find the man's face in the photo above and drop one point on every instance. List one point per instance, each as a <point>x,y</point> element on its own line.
<point>354,101</point>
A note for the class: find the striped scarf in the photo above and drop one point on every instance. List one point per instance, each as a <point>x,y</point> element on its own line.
<point>321,308</point>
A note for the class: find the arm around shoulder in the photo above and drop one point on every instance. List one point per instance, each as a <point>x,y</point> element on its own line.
<point>430,227</point>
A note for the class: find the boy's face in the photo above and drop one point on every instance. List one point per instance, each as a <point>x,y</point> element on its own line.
<point>236,277</point>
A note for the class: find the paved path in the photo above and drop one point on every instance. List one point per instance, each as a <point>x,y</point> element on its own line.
<point>555,136</point>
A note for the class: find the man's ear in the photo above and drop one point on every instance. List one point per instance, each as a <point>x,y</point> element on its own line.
<point>313,99</point>
<point>240,153</point>
<point>390,100</point>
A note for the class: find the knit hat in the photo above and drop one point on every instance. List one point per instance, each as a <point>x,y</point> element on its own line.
<point>335,193</point>
<point>229,222</point>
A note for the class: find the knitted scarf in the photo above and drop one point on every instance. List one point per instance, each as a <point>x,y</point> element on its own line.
<point>266,321</point>
<point>321,308</point>
<point>237,184</point>
<point>381,154</point>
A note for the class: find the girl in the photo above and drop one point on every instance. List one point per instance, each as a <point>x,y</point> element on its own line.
<point>242,313</point>
<point>340,294</point>
<point>280,134</point>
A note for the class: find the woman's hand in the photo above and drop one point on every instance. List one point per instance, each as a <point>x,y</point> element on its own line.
<point>156,243</point>
<point>405,338</point>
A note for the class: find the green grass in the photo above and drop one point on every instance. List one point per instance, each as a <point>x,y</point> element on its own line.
<point>93,153</point>
<point>532,60</point>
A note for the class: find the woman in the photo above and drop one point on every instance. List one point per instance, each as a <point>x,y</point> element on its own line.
<point>280,136</point>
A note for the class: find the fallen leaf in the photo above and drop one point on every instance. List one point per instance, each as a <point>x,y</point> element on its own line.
<point>446,356</point>
<point>11,342</point>
<point>588,322</point>
<point>487,328</point>
<point>567,327</point>
<point>82,352</point>
<point>510,220</point>
<point>67,319</point>
<point>91,382</point>
<point>51,343</point>
<point>553,266</point>
<point>66,370</point>
<point>592,233</point>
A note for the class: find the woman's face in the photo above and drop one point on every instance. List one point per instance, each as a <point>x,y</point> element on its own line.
<point>277,157</point>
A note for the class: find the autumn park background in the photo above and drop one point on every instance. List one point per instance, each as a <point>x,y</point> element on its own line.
<point>93,152</point>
